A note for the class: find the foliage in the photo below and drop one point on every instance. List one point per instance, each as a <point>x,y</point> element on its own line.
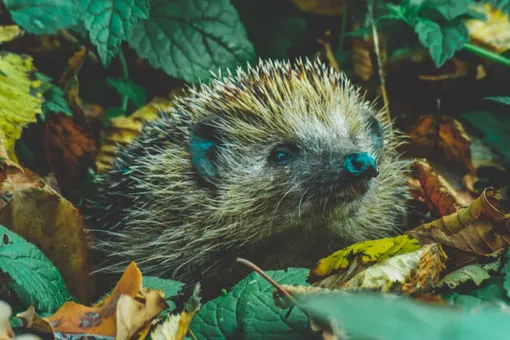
<point>248,312</point>
<point>33,278</point>
<point>439,25</point>
<point>445,72</point>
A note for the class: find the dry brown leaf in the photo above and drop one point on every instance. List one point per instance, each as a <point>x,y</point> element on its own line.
<point>6,332</point>
<point>118,315</point>
<point>443,134</point>
<point>70,151</point>
<point>40,215</point>
<point>461,70</point>
<point>439,196</point>
<point>122,130</point>
<point>133,314</point>
<point>427,274</point>
<point>176,326</point>
<point>325,41</point>
<point>34,322</point>
<point>320,7</point>
<point>493,33</point>
<point>480,229</point>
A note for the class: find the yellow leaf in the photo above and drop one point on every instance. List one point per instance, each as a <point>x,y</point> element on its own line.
<point>20,102</point>
<point>9,32</point>
<point>123,130</point>
<point>494,33</point>
<point>368,252</point>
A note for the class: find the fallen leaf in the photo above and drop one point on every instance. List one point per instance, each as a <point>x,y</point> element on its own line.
<point>40,215</point>
<point>461,70</point>
<point>119,315</point>
<point>6,332</point>
<point>439,196</point>
<point>493,33</point>
<point>70,150</point>
<point>472,272</point>
<point>346,263</point>
<point>34,322</point>
<point>122,130</point>
<point>444,134</point>
<point>320,7</point>
<point>20,100</point>
<point>9,32</point>
<point>480,228</point>
<point>133,314</point>
<point>176,326</point>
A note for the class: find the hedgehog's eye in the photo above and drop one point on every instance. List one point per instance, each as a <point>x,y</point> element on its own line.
<point>282,154</point>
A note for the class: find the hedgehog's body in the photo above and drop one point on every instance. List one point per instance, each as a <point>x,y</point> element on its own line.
<point>280,157</point>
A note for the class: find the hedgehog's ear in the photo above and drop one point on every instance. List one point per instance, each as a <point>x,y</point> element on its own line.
<point>203,143</point>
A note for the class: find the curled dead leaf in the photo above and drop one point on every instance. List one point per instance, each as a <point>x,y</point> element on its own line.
<point>121,314</point>
<point>439,196</point>
<point>480,228</point>
<point>444,134</point>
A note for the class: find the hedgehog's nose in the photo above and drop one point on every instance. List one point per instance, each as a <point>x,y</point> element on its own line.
<point>360,165</point>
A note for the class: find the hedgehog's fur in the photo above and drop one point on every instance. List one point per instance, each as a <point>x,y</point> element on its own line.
<point>154,208</point>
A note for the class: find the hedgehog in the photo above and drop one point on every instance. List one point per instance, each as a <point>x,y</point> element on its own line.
<point>281,163</point>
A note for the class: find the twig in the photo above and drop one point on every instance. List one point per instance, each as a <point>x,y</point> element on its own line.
<point>370,6</point>
<point>265,276</point>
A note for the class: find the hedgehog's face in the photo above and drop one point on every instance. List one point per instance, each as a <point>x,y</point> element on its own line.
<point>321,163</point>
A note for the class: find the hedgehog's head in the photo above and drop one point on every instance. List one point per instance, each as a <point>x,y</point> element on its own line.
<point>283,140</point>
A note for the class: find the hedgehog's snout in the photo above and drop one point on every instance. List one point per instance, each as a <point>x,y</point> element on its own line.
<point>360,165</point>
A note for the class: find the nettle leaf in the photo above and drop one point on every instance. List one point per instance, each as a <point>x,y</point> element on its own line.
<point>365,315</point>
<point>189,39</point>
<point>169,287</point>
<point>249,312</point>
<point>110,22</point>
<point>449,9</point>
<point>132,90</point>
<point>42,16</point>
<point>442,41</point>
<point>499,99</point>
<point>36,281</point>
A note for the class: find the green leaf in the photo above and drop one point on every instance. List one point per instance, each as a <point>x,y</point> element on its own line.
<point>449,10</point>
<point>169,287</point>
<point>189,39</point>
<point>248,311</point>
<point>499,99</point>
<point>442,42</point>
<point>489,292</point>
<point>54,97</point>
<point>506,272</point>
<point>36,281</point>
<point>384,317</point>
<point>494,126</point>
<point>475,273</point>
<point>110,22</point>
<point>42,16</point>
<point>132,90</point>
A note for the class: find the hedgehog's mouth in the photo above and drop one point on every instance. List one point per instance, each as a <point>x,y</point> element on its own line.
<point>353,190</point>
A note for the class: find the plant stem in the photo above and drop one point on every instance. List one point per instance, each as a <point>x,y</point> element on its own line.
<point>484,53</point>
<point>125,73</point>
<point>375,37</point>
<point>343,27</point>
